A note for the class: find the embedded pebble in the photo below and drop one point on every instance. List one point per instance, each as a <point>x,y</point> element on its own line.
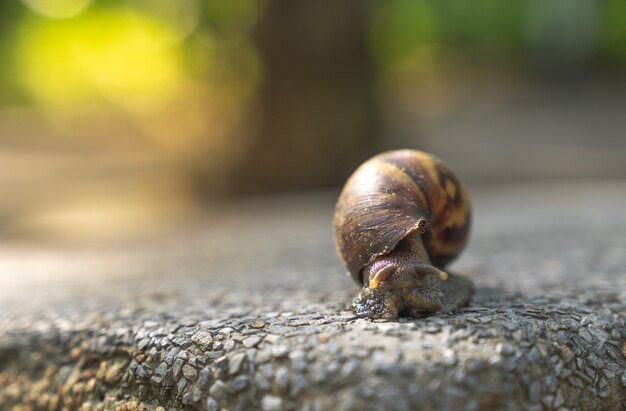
<point>262,382</point>
<point>298,385</point>
<point>187,398</point>
<point>202,338</point>
<point>143,371</point>
<point>534,355</point>
<point>262,356</point>
<point>281,378</point>
<point>271,403</point>
<point>239,383</point>
<point>171,354</point>
<point>218,389</point>
<point>168,379</point>
<point>257,324</point>
<point>235,362</point>
<point>189,372</point>
<point>212,404</point>
<point>252,341</point>
<point>349,369</point>
<point>280,351</point>
<point>272,338</point>
<point>594,361</point>
<point>177,367</point>
<point>204,377</point>
<point>161,369</point>
<point>585,335</point>
<point>181,384</point>
<point>114,374</point>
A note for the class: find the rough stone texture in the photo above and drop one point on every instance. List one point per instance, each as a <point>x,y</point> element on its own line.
<point>248,310</point>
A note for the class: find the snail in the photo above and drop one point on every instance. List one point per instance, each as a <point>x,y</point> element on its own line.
<point>401,217</point>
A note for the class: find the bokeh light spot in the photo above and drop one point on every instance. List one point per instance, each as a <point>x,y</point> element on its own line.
<point>59,9</point>
<point>124,57</point>
<point>180,16</point>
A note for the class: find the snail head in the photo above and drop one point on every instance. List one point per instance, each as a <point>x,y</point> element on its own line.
<point>400,269</point>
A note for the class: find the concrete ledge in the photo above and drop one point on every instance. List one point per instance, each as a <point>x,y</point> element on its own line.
<point>217,319</point>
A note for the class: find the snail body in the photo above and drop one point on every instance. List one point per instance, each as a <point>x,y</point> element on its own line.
<point>401,217</point>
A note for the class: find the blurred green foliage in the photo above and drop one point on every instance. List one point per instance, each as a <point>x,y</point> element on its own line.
<point>144,57</point>
<point>207,39</point>
<point>124,49</point>
<point>400,26</point>
<point>613,29</point>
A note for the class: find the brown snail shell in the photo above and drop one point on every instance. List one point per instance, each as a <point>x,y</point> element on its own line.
<point>396,196</point>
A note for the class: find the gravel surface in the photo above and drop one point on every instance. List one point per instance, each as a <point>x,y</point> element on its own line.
<point>248,309</point>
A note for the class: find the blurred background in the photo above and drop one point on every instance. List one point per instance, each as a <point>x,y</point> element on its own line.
<point>120,118</point>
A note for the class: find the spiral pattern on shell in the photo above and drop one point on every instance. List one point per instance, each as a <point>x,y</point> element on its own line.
<point>393,195</point>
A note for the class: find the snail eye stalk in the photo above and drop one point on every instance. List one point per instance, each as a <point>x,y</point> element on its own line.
<point>382,275</point>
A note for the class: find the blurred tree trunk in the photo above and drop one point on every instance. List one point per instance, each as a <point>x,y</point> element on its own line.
<point>317,113</point>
